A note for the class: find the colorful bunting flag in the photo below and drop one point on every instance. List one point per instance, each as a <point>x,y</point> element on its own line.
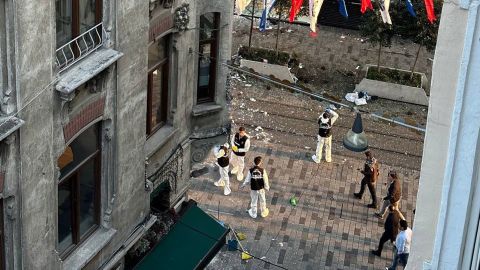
<point>242,4</point>
<point>366,4</point>
<point>296,6</point>
<point>410,8</point>
<point>267,8</point>
<point>310,8</point>
<point>384,5</point>
<point>342,8</point>
<point>317,5</point>
<point>430,11</point>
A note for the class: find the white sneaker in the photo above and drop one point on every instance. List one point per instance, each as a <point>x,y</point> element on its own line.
<point>227,192</point>
<point>240,176</point>
<point>314,157</point>
<point>328,160</point>
<point>234,171</point>
<point>251,214</point>
<point>219,183</point>
<point>265,213</point>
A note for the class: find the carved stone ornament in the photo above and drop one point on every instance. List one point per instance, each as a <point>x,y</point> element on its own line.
<point>206,140</point>
<point>171,171</point>
<point>182,18</point>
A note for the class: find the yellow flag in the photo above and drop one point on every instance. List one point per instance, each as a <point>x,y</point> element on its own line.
<point>242,4</point>
<point>317,5</point>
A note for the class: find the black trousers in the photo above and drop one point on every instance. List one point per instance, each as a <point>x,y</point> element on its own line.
<point>371,188</point>
<point>385,237</point>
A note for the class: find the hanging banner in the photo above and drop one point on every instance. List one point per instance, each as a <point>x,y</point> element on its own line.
<point>242,4</point>
<point>366,4</point>
<point>296,6</point>
<point>430,11</point>
<point>384,5</point>
<point>342,8</point>
<point>317,5</point>
<point>310,8</point>
<point>267,8</point>
<point>410,9</point>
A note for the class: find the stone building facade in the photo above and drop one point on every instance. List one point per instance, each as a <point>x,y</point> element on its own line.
<point>446,231</point>
<point>105,105</point>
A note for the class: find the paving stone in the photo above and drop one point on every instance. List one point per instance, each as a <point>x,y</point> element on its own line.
<point>328,229</point>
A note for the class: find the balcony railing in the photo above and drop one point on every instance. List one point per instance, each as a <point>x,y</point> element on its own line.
<point>80,47</point>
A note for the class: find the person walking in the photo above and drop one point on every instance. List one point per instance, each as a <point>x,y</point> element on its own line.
<point>258,179</point>
<point>391,230</point>
<point>223,163</point>
<point>324,138</point>
<point>394,194</point>
<point>402,245</point>
<point>240,145</point>
<point>370,176</point>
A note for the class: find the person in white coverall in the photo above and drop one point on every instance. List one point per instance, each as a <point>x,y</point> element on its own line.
<point>258,179</point>
<point>325,122</point>
<point>223,163</point>
<point>240,146</point>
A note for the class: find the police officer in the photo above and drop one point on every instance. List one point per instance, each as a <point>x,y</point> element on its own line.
<point>240,146</point>
<point>325,123</point>
<point>223,163</point>
<point>258,179</point>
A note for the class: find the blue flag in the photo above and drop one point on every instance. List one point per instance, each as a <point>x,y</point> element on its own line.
<point>267,8</point>
<point>410,8</point>
<point>342,8</point>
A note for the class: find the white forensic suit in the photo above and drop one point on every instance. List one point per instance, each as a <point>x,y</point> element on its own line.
<point>240,147</point>
<point>223,164</point>
<point>258,179</point>
<point>324,137</point>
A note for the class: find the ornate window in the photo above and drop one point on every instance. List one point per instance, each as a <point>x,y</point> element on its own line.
<point>157,94</point>
<point>207,59</point>
<point>79,190</point>
<point>74,17</point>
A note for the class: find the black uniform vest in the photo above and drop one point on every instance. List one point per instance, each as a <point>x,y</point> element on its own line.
<point>325,129</point>
<point>256,181</point>
<point>223,161</point>
<point>240,143</point>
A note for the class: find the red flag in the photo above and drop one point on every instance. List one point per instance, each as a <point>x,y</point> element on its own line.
<point>366,4</point>
<point>430,12</point>
<point>296,5</point>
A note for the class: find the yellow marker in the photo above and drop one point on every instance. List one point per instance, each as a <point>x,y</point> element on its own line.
<point>241,236</point>
<point>246,256</point>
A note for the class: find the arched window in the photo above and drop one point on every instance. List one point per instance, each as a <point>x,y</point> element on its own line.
<point>79,190</point>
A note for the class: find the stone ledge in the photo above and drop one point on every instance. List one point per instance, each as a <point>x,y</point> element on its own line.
<point>279,72</point>
<point>204,109</point>
<point>85,70</point>
<point>159,139</point>
<point>8,125</point>
<point>89,249</point>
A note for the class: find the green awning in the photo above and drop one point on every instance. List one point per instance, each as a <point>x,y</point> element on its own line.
<point>192,242</point>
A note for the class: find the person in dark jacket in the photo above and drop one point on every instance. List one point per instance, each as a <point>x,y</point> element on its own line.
<point>370,176</point>
<point>391,229</point>
<point>394,194</point>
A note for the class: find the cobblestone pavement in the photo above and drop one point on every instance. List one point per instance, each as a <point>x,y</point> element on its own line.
<point>328,229</point>
<point>277,116</point>
<point>332,62</point>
